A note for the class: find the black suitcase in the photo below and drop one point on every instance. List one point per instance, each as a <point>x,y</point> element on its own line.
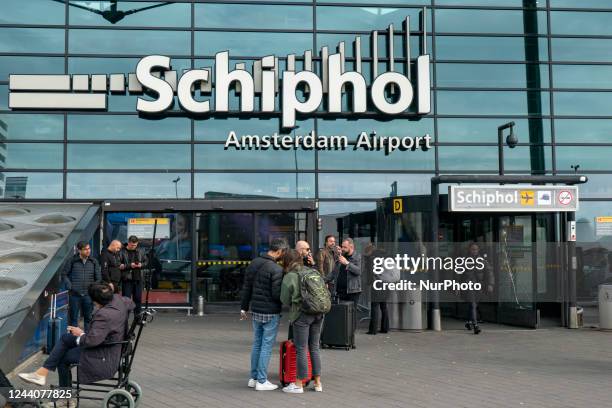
<point>56,326</point>
<point>339,326</point>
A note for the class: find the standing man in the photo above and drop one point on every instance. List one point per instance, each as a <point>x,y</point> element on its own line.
<point>110,262</point>
<point>304,250</point>
<point>261,291</point>
<point>134,260</point>
<point>347,277</point>
<point>81,271</point>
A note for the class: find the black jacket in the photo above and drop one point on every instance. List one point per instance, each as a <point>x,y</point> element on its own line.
<point>78,275</point>
<point>108,324</point>
<point>262,286</point>
<point>137,256</point>
<point>110,263</point>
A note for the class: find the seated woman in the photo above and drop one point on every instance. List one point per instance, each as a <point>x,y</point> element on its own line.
<point>96,362</point>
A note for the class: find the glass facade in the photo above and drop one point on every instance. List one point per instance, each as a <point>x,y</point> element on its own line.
<point>545,65</point>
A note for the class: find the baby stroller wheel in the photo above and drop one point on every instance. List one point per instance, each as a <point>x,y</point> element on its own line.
<point>118,398</point>
<point>136,392</point>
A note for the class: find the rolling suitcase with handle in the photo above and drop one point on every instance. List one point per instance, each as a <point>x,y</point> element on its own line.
<point>55,327</point>
<point>339,326</point>
<point>288,364</point>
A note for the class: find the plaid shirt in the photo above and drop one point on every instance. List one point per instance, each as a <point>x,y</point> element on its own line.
<point>263,317</point>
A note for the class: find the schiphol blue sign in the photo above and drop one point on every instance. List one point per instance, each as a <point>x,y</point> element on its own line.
<point>391,93</point>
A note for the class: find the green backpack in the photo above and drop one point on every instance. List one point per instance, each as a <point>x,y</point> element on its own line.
<point>315,295</point>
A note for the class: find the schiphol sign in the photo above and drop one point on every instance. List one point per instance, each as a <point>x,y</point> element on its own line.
<point>387,94</point>
<point>522,198</point>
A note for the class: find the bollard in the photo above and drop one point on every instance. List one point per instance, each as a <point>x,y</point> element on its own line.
<point>200,305</point>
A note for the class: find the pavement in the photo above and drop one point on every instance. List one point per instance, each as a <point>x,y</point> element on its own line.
<point>204,362</point>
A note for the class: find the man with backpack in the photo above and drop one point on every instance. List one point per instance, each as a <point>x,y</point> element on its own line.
<point>261,293</point>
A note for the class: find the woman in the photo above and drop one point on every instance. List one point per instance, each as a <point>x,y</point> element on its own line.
<point>306,327</point>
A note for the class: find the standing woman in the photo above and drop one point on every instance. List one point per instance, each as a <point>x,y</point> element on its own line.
<point>306,327</point>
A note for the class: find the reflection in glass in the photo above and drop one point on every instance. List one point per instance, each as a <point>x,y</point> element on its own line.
<point>32,156</point>
<point>350,159</point>
<point>218,129</point>
<point>253,16</point>
<point>253,44</point>
<point>128,156</point>
<point>30,65</point>
<point>127,128</point>
<point>581,23</point>
<point>485,158</point>
<point>367,18</point>
<point>254,185</point>
<point>216,157</point>
<point>490,48</point>
<point>47,40</point>
<point>32,126</point>
<point>89,65</point>
<point>128,185</point>
<point>583,76</point>
<point>583,131</point>
<point>581,49</point>
<point>340,185</point>
<point>139,42</point>
<point>485,130</point>
<point>490,76</point>
<point>32,12</point>
<point>490,21</point>
<point>130,13</point>
<point>18,185</point>
<point>491,103</point>
<point>583,103</point>
<point>588,157</point>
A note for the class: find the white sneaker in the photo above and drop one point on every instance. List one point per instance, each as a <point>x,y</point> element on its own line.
<point>33,378</point>
<point>293,389</point>
<point>267,386</point>
<point>252,383</point>
<point>318,388</point>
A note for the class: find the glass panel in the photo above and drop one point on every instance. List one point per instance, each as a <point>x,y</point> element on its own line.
<point>485,130</point>
<point>219,129</point>
<point>129,156</point>
<point>492,75</point>
<point>253,16</point>
<point>127,128</point>
<point>227,237</point>
<point>92,41</point>
<point>288,225</point>
<point>254,185</point>
<point>332,41</point>
<point>598,186</point>
<point>350,159</point>
<point>581,49</point>
<point>216,157</point>
<point>356,185</point>
<point>511,3</point>
<point>128,185</point>
<point>491,21</point>
<point>583,76</point>
<point>367,18</point>
<point>115,65</point>
<point>485,158</point>
<point>171,265</point>
<point>588,157</point>
<point>396,127</point>
<point>492,103</point>
<point>31,185</point>
<point>32,12</point>
<point>583,3</point>
<point>32,155</point>
<point>22,40</point>
<point>583,103</point>
<point>491,48</point>
<point>583,130</point>
<point>585,23</point>
<point>251,43</point>
<point>398,2</point>
<point>30,65</point>
<point>130,13</point>
<point>32,126</point>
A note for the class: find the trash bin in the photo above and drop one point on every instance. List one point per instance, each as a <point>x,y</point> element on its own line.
<point>605,307</point>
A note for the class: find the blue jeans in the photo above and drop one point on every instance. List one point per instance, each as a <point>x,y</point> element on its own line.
<point>65,353</point>
<point>79,303</point>
<point>264,337</point>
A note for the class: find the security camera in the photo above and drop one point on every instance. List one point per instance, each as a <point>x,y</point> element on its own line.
<point>512,140</point>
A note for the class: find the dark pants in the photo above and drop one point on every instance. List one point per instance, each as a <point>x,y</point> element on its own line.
<point>307,335</point>
<point>82,304</point>
<point>133,289</point>
<point>473,302</point>
<point>351,297</point>
<point>65,353</point>
<point>384,320</point>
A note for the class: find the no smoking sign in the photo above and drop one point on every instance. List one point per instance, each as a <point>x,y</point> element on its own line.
<point>565,197</point>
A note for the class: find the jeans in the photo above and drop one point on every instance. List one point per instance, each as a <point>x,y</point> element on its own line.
<point>65,353</point>
<point>384,320</point>
<point>307,333</point>
<point>264,337</point>
<point>83,304</point>
<point>133,290</point>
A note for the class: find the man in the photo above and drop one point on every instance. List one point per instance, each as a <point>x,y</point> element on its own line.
<point>134,260</point>
<point>261,291</point>
<point>486,278</point>
<point>110,262</point>
<point>96,361</point>
<point>81,271</point>
<point>304,250</point>
<point>347,277</point>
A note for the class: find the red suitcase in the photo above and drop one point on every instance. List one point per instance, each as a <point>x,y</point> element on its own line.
<point>288,364</point>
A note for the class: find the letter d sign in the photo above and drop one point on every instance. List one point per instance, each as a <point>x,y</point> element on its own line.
<point>398,206</point>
